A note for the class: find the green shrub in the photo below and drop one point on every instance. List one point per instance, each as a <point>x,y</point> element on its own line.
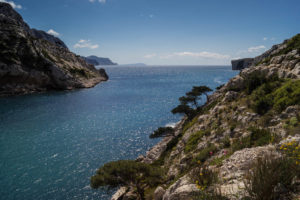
<point>205,153</point>
<point>193,141</point>
<point>203,177</point>
<point>257,137</point>
<point>218,161</point>
<point>278,95</point>
<point>260,137</point>
<point>189,124</point>
<point>225,142</point>
<point>271,178</point>
<point>287,95</point>
<point>127,173</point>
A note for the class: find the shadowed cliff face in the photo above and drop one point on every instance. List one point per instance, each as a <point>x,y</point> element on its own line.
<point>32,61</point>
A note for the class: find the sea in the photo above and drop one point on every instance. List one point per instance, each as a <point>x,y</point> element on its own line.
<point>52,143</point>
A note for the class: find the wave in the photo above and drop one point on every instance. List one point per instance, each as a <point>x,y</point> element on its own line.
<point>218,80</point>
<point>172,124</point>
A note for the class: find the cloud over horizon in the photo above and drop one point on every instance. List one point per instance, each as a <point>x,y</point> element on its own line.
<point>13,4</point>
<point>256,48</point>
<point>100,1</point>
<point>53,32</point>
<point>85,44</point>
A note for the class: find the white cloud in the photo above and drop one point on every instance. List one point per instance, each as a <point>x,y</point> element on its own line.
<point>53,32</point>
<point>15,6</point>
<point>203,54</point>
<point>256,49</point>
<point>100,1</point>
<point>265,38</point>
<point>85,44</point>
<point>150,55</point>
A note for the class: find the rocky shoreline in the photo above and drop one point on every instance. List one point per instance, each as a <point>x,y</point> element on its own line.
<point>34,61</point>
<point>252,117</point>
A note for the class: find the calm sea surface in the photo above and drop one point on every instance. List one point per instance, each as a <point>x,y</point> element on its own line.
<point>52,143</point>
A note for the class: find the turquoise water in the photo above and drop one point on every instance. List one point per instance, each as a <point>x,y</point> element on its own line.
<point>52,143</point>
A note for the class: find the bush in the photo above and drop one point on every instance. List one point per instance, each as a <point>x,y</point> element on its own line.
<point>205,153</point>
<point>271,178</point>
<point>193,141</point>
<point>257,137</point>
<point>203,177</point>
<point>225,142</point>
<point>127,173</point>
<point>278,95</point>
<point>287,95</point>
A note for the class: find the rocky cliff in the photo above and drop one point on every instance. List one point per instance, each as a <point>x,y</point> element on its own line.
<point>32,60</point>
<point>243,144</point>
<point>240,64</point>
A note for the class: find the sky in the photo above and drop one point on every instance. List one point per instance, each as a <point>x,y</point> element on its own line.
<point>165,32</point>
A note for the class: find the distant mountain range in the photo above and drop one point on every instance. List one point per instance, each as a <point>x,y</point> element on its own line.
<point>134,65</point>
<point>95,60</point>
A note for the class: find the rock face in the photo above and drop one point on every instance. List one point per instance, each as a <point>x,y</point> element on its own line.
<point>241,63</point>
<point>95,60</point>
<point>33,61</point>
<point>50,38</point>
<point>228,136</point>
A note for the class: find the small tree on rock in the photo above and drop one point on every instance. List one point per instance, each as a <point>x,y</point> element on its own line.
<point>127,173</point>
<point>189,103</point>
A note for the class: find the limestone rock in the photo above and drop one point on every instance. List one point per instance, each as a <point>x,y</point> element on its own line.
<point>33,61</point>
<point>119,194</point>
<point>159,193</point>
<point>230,96</point>
<point>181,189</point>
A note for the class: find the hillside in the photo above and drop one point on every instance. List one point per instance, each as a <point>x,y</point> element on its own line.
<point>244,143</point>
<point>33,61</point>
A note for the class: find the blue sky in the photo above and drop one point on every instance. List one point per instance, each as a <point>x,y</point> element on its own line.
<point>166,32</point>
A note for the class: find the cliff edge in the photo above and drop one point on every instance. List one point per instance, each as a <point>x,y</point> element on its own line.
<point>244,143</point>
<point>33,61</point>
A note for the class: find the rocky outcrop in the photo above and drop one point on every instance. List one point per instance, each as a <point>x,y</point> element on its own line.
<point>275,51</point>
<point>241,63</point>
<point>228,135</point>
<point>50,38</point>
<point>33,61</point>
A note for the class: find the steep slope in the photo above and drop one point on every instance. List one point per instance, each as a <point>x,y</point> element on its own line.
<point>243,144</point>
<point>279,49</point>
<point>32,60</point>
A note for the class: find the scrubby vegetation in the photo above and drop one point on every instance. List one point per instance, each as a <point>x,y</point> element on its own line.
<point>257,137</point>
<point>205,153</point>
<point>277,95</point>
<point>194,140</point>
<point>128,173</point>
<point>271,178</point>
